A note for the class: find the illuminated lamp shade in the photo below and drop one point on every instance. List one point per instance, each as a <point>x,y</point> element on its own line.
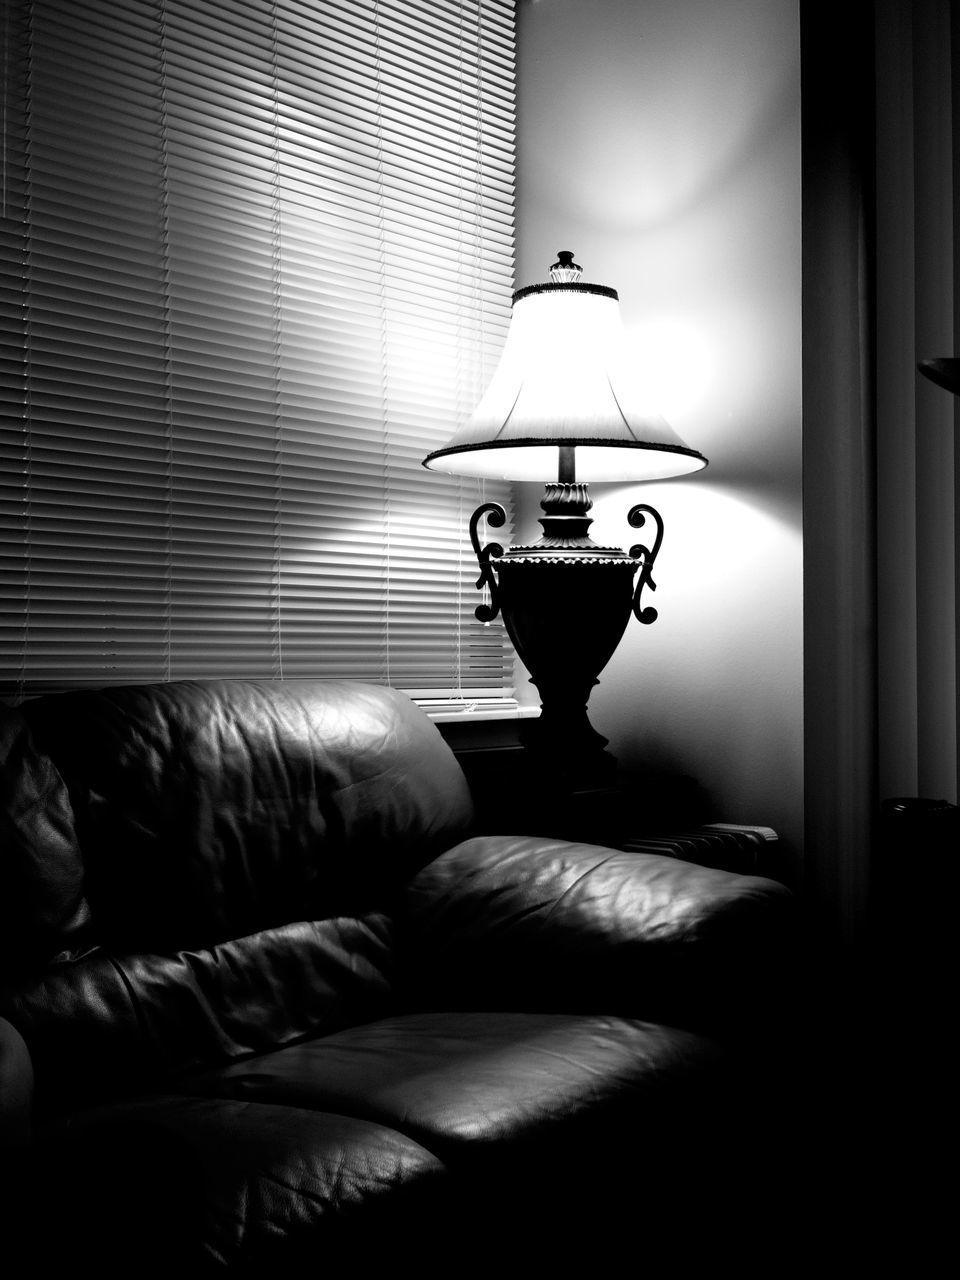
<point>565,407</point>
<point>565,378</point>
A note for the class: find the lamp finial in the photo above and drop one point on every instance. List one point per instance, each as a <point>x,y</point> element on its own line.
<point>565,270</point>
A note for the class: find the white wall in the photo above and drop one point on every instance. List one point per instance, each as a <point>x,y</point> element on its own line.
<point>659,140</point>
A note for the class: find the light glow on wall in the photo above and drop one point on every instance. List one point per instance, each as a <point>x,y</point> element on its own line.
<point>678,184</point>
<point>674,357</point>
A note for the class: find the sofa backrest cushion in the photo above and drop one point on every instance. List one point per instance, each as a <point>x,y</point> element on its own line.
<point>206,811</point>
<point>109,1022</point>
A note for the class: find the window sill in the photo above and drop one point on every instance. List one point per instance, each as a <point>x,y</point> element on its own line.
<point>479,724</point>
<point>472,710</point>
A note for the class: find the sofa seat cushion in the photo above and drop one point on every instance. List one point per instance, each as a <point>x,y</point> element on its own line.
<point>241,1187</point>
<point>480,1085</point>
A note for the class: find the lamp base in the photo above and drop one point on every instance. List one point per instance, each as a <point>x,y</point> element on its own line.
<point>566,602</point>
<point>566,750</point>
<point>566,614</point>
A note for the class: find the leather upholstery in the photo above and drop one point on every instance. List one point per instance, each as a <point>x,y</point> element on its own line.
<point>278,999</point>
<point>43,911</point>
<point>211,811</point>
<point>520,922</point>
<point>531,1076</point>
<point>115,1021</point>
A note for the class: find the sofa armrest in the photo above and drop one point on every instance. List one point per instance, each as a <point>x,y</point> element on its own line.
<point>521,922</point>
<point>16,1089</point>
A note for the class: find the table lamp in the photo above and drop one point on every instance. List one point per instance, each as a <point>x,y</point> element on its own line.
<point>564,406</point>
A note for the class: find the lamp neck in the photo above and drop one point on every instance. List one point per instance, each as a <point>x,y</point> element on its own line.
<point>565,505</point>
<point>567,469</point>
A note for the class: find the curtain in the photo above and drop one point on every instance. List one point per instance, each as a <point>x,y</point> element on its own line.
<point>881,145</point>
<point>839,463</point>
<point>256,263</point>
<point>918,308</point>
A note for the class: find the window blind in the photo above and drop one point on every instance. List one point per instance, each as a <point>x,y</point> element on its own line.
<point>257,260</point>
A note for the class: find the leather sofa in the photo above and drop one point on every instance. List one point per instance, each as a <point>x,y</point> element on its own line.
<point>267,1001</point>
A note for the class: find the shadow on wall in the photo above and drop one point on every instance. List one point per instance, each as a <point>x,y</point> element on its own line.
<point>709,690</point>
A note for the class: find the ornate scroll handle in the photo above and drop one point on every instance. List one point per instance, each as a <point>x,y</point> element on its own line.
<point>496,516</point>
<point>637,519</point>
